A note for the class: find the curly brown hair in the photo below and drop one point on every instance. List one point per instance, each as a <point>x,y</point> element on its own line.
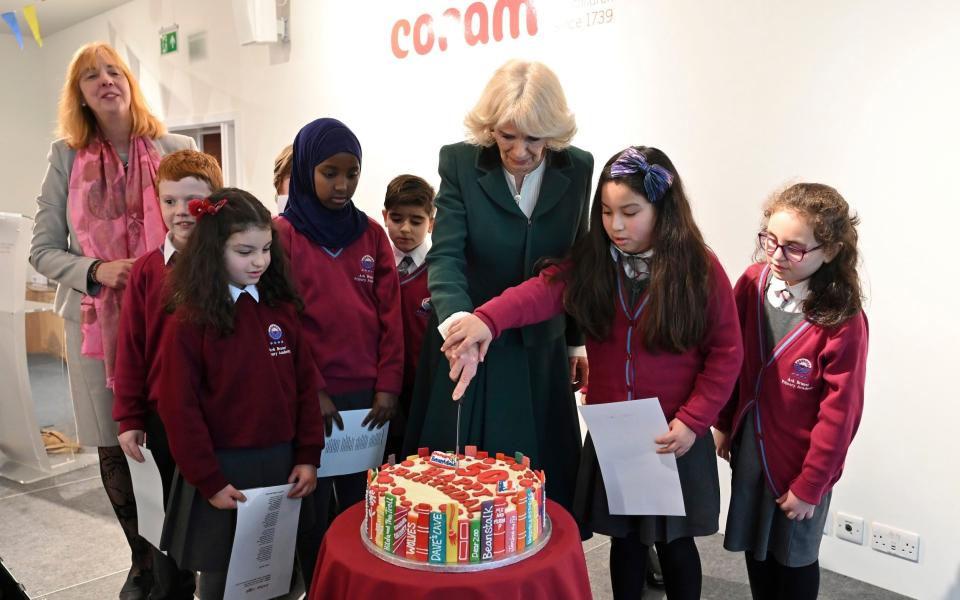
<point>197,286</point>
<point>835,294</point>
<point>674,319</point>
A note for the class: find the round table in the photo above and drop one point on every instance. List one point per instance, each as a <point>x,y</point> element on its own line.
<point>346,569</point>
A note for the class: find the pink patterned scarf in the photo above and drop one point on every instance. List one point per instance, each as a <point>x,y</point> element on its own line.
<point>115,215</point>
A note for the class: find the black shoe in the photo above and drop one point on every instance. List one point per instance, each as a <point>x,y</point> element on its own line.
<point>137,586</point>
<point>183,588</point>
<point>169,582</point>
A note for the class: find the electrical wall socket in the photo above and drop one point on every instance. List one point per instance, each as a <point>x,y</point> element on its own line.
<point>849,527</point>
<point>890,540</point>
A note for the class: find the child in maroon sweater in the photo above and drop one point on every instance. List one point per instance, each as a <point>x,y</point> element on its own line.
<point>660,321</point>
<point>343,267</point>
<point>801,385</point>
<point>238,384</point>
<point>181,177</point>
<point>408,215</point>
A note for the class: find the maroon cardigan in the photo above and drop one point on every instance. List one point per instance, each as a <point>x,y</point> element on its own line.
<point>352,316</point>
<point>142,320</point>
<point>416,309</point>
<point>805,395</point>
<point>254,388</point>
<point>692,385</point>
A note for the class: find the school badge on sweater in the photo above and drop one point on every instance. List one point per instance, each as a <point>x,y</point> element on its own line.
<point>277,345</point>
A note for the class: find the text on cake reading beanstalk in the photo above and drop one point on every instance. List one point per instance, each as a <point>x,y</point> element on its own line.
<point>486,522</point>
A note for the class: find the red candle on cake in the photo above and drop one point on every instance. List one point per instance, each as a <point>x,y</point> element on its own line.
<point>499,527</point>
<point>521,501</point>
<point>423,531</point>
<point>400,529</point>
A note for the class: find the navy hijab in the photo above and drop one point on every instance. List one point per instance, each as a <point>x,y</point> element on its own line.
<point>315,143</point>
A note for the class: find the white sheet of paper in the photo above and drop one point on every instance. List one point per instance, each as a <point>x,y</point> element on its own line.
<point>637,479</point>
<point>148,491</point>
<point>261,563</point>
<point>355,449</point>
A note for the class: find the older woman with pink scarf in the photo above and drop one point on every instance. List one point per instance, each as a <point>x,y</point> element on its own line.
<point>96,213</point>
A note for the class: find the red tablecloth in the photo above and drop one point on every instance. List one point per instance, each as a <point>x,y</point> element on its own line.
<point>345,569</point>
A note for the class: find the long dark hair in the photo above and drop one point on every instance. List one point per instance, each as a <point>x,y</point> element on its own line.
<point>199,280</point>
<point>834,290</point>
<point>674,318</point>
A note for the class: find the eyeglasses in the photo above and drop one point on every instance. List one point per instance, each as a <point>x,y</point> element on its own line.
<point>792,252</point>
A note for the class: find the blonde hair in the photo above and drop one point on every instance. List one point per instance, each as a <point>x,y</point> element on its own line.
<point>76,123</point>
<point>282,166</point>
<point>528,95</point>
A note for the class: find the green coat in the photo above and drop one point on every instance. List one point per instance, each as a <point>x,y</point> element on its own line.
<point>521,398</point>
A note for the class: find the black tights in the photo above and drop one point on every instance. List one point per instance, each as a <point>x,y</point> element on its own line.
<point>769,579</point>
<point>116,482</point>
<point>679,561</point>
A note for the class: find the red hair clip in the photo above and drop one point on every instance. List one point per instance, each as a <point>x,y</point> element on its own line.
<point>198,208</point>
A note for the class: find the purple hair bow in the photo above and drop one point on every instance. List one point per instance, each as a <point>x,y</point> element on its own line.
<point>656,179</point>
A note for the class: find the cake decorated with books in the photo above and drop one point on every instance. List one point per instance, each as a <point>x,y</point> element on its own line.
<point>447,512</point>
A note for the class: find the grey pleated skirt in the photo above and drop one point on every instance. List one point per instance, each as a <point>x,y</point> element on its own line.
<point>755,522</point>
<point>92,401</point>
<point>699,483</point>
<point>198,536</point>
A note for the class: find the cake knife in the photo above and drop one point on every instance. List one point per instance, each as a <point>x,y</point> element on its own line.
<point>456,452</point>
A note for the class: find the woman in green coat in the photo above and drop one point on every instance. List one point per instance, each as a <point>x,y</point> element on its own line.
<point>515,193</point>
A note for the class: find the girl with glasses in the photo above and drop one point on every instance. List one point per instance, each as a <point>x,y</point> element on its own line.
<point>787,428</point>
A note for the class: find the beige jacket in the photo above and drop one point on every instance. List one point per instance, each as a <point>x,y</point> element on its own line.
<point>54,250</point>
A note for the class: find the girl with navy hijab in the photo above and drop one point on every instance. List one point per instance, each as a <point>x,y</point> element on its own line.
<point>344,269</point>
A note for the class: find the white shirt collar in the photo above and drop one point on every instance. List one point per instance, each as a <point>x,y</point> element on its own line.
<point>418,254</point>
<point>799,293</point>
<point>168,249</point>
<point>250,289</point>
<point>526,197</point>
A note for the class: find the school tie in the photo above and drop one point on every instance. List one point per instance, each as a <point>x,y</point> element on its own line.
<point>636,267</point>
<point>404,267</point>
<point>785,296</point>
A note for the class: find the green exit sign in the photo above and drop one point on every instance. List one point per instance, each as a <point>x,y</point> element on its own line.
<point>168,42</point>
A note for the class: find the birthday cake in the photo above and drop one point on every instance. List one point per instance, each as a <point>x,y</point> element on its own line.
<point>440,511</point>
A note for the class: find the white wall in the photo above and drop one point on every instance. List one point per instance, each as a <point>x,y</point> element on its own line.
<point>25,132</point>
<point>742,95</point>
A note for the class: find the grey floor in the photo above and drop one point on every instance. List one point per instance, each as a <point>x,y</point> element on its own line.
<point>60,539</point>
<point>48,383</point>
